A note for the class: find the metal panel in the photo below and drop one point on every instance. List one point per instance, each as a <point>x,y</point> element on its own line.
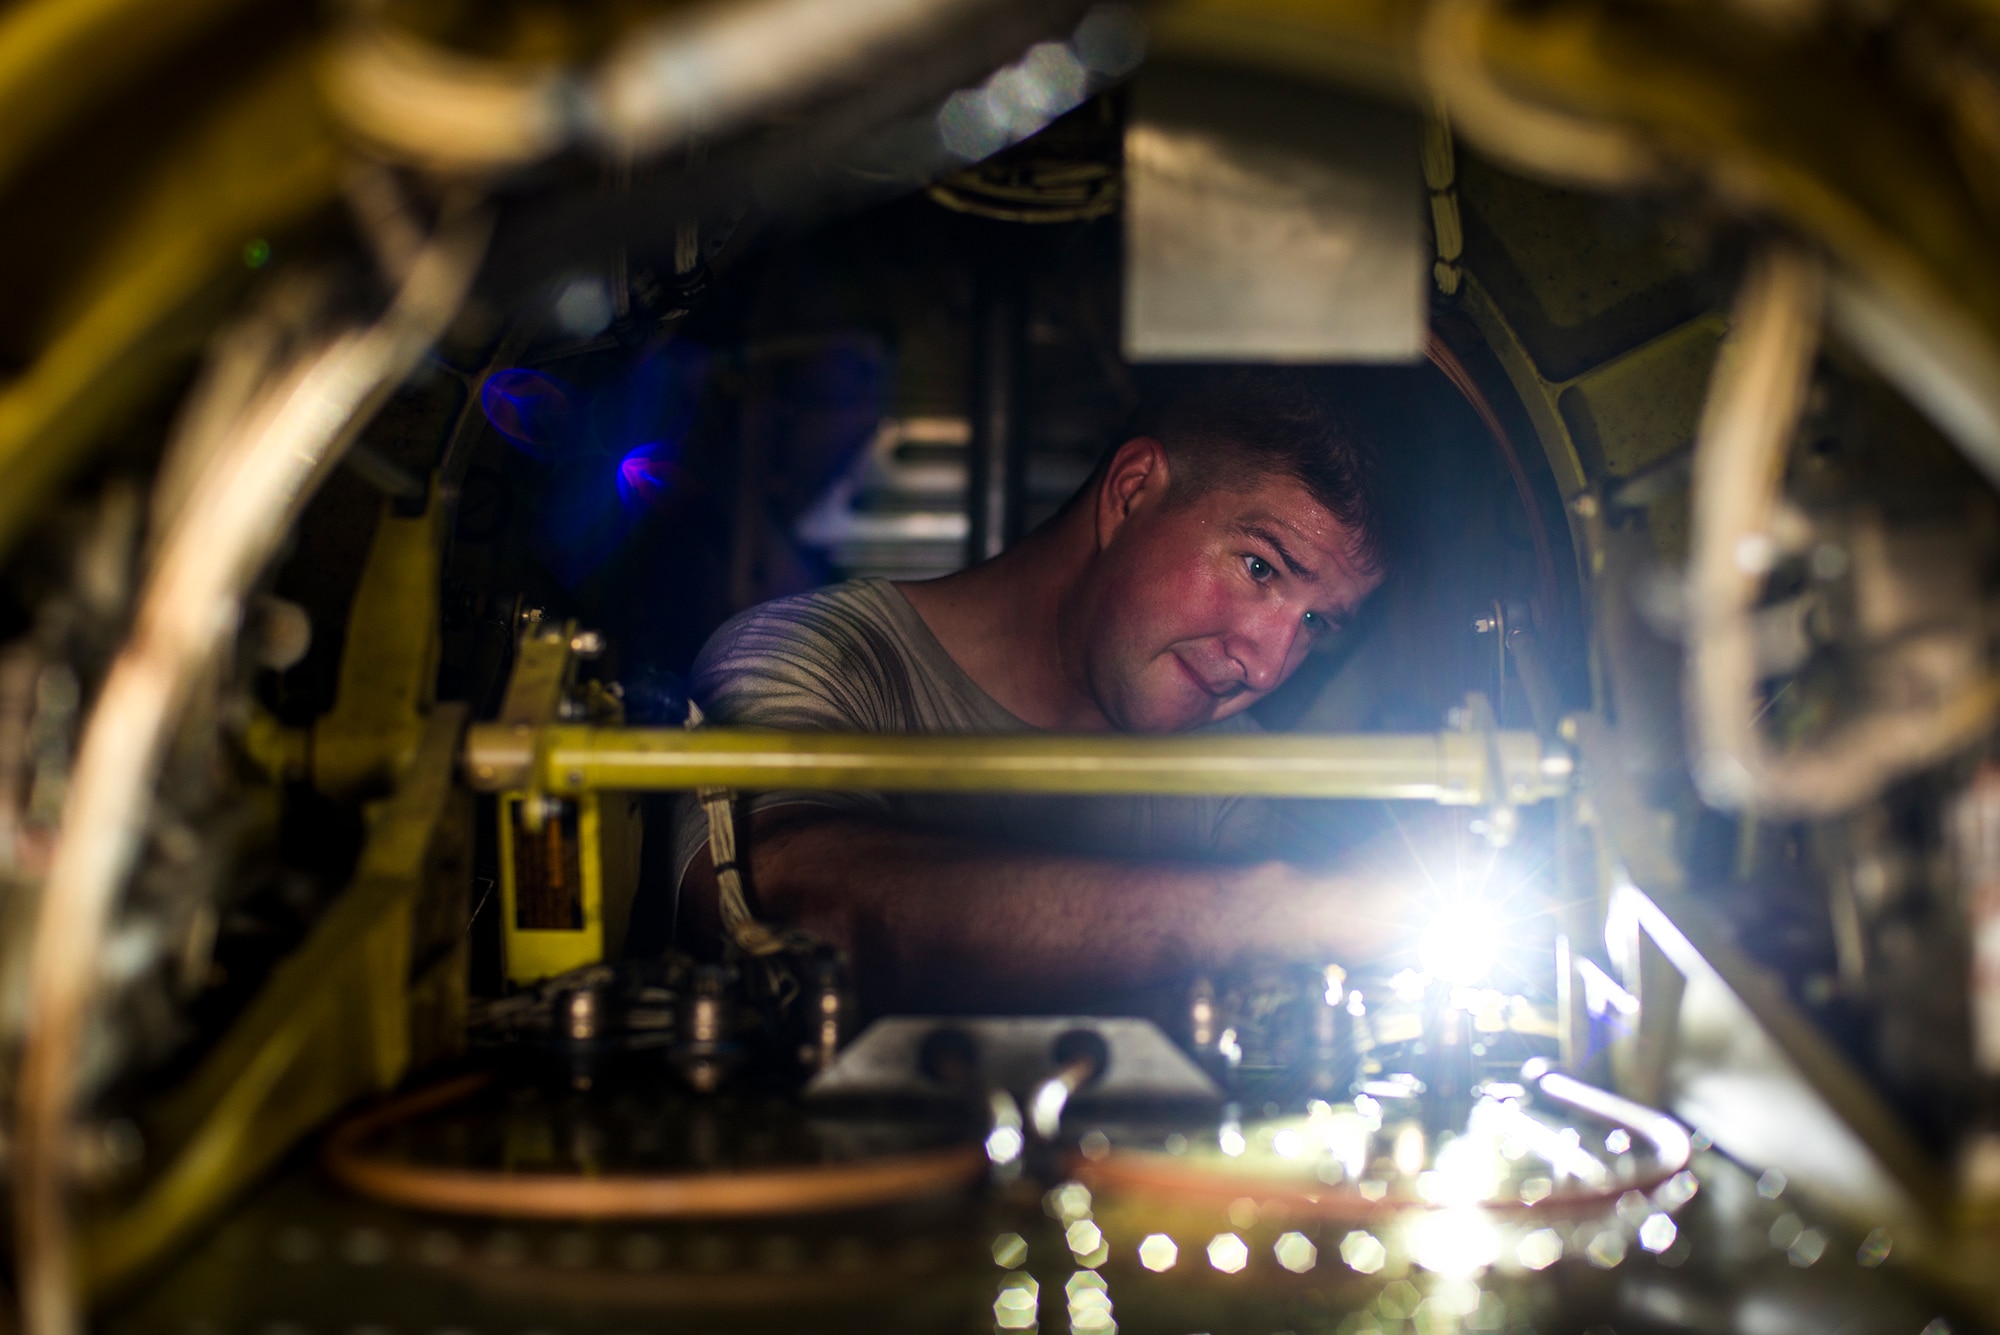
<point>1266,222</point>
<point>1016,1055</point>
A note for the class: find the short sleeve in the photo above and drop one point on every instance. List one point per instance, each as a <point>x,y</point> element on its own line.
<point>818,662</point>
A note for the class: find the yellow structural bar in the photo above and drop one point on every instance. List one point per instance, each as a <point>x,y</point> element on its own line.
<point>1446,767</point>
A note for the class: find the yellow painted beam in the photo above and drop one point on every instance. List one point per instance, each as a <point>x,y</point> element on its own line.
<point>1447,767</point>
<point>331,1024</point>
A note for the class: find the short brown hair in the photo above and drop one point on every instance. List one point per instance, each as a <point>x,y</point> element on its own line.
<point>1228,427</point>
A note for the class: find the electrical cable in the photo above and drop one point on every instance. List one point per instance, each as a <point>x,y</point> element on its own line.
<point>1548,605</point>
<point>764,1191</point>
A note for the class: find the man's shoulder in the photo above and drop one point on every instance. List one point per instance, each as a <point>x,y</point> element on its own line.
<point>839,617</point>
<point>836,656</point>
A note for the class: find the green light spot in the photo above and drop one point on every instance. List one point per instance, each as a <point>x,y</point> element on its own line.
<point>257,252</point>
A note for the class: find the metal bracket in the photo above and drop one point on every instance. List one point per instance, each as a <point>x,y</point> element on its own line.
<point>544,668</point>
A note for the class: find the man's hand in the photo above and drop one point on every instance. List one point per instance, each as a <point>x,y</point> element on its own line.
<point>935,916</point>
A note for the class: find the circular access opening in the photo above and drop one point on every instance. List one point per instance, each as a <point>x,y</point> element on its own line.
<point>950,1057</point>
<point>1082,1047</point>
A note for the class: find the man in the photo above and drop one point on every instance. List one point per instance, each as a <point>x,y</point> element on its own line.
<point>1237,527</point>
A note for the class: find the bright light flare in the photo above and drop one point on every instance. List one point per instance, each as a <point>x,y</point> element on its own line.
<point>1228,1253</point>
<point>1346,1135</point>
<point>1158,1252</point>
<point>1014,1308</point>
<point>1455,1243</point>
<point>1540,1249</point>
<point>1460,945</point>
<point>1468,1170</point>
<point>1229,1136</point>
<point>1045,1108</point>
<point>1363,1252</point>
<point>1657,1233</point>
<point>1003,1144</point>
<point>1296,1253</point>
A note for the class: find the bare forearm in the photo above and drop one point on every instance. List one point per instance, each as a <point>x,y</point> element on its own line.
<point>948,915</point>
<point>948,910</point>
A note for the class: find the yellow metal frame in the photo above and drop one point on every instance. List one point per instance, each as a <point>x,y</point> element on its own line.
<point>533,955</point>
<point>340,1018</point>
<point>1453,768</point>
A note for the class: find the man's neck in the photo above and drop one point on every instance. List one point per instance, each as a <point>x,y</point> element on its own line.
<point>1003,620</point>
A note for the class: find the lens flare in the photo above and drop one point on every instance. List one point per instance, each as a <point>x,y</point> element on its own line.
<point>1456,1243</point>
<point>535,411</point>
<point>1460,945</point>
<point>649,476</point>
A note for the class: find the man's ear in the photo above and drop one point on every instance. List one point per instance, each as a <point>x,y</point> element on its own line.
<point>1135,478</point>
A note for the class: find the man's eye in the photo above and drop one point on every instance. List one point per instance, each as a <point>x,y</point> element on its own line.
<point>1260,569</point>
<point>1313,621</point>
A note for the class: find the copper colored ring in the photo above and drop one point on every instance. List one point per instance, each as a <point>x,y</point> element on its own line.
<point>1151,1172</point>
<point>764,1191</point>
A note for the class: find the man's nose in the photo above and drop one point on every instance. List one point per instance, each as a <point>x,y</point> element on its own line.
<point>1262,647</point>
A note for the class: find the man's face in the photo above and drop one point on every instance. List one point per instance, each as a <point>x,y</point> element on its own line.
<point>1202,606</point>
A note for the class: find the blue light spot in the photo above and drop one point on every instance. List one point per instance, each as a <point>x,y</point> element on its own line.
<point>533,410</point>
<point>649,476</point>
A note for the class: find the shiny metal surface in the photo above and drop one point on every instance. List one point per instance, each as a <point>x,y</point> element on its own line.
<point>1453,768</point>
<point>1211,202</point>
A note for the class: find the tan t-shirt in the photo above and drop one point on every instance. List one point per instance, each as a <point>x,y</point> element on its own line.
<point>856,657</point>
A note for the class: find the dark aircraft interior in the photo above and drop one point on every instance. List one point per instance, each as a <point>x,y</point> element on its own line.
<point>396,397</point>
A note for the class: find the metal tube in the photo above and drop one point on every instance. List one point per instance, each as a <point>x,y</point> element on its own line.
<point>1447,767</point>
<point>995,480</point>
<point>259,474</point>
<point>1758,395</point>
